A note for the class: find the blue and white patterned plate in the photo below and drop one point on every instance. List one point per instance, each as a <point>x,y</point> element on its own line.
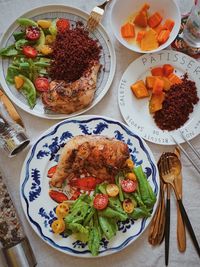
<point>107,59</point>
<point>40,208</point>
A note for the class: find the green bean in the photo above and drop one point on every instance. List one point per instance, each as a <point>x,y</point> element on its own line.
<point>115,204</point>
<point>102,187</point>
<point>28,90</point>
<point>89,216</point>
<point>77,227</point>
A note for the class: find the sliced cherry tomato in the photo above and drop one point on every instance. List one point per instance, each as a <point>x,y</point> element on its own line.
<point>100,201</point>
<point>62,209</point>
<point>112,190</point>
<point>29,51</point>
<point>58,226</point>
<point>42,84</point>
<point>128,186</point>
<point>128,206</point>
<point>63,25</point>
<point>32,33</point>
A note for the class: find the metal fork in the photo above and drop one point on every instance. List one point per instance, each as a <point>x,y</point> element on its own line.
<point>95,16</point>
<point>170,168</point>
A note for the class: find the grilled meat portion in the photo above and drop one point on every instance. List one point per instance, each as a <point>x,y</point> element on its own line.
<point>100,156</point>
<point>66,97</point>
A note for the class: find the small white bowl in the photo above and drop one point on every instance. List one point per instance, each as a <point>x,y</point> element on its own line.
<point>121,10</point>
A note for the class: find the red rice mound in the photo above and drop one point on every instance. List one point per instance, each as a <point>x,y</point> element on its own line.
<point>73,50</point>
<point>178,104</point>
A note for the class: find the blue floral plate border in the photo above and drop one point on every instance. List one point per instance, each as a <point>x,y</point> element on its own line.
<point>39,208</point>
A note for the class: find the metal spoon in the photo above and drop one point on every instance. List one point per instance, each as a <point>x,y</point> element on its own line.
<point>170,168</point>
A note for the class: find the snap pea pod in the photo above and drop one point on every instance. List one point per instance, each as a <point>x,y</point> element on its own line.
<point>77,227</point>
<point>102,187</point>
<point>28,90</point>
<point>118,183</point>
<point>94,237</point>
<point>78,213</point>
<point>110,213</point>
<point>115,204</point>
<point>8,51</point>
<point>89,216</point>
<point>139,212</point>
<point>106,227</point>
<point>26,22</point>
<point>146,191</point>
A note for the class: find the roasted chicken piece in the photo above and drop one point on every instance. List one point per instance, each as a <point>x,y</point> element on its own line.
<point>100,156</point>
<point>66,97</point>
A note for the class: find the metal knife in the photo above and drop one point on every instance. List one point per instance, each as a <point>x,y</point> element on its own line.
<point>181,236</point>
<point>11,109</point>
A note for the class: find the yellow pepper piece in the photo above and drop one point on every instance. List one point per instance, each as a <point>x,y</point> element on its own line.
<point>129,163</point>
<point>44,24</point>
<point>58,226</point>
<point>45,49</point>
<point>62,210</point>
<point>49,39</point>
<point>19,81</point>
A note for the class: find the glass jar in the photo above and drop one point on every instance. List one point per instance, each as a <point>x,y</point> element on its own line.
<point>191,33</point>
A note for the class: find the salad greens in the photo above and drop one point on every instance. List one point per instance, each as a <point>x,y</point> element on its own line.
<point>29,63</point>
<point>92,224</point>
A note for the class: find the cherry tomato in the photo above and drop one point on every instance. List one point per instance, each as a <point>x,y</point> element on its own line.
<point>112,190</point>
<point>42,84</point>
<point>32,33</point>
<point>63,25</point>
<point>128,186</point>
<point>128,206</point>
<point>29,51</point>
<point>100,201</point>
<point>58,226</point>
<point>62,210</point>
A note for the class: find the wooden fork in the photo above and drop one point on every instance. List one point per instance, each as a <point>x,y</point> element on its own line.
<point>95,16</point>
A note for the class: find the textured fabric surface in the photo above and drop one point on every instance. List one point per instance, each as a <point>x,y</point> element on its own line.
<point>140,253</point>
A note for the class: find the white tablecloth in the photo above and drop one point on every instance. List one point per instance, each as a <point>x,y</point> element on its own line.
<point>140,253</point>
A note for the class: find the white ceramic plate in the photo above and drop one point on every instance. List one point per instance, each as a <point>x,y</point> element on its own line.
<point>135,112</point>
<point>34,186</point>
<point>121,10</point>
<point>108,59</point>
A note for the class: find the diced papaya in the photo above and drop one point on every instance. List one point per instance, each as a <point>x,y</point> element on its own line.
<point>149,41</point>
<point>150,81</point>
<point>128,30</point>
<point>157,71</point>
<point>141,19</point>
<point>169,24</point>
<point>154,20</point>
<point>167,69</point>
<point>140,35</point>
<point>159,28</point>
<point>139,89</point>
<point>167,83</point>
<point>174,79</point>
<point>155,102</point>
<point>158,86</point>
<point>163,36</point>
